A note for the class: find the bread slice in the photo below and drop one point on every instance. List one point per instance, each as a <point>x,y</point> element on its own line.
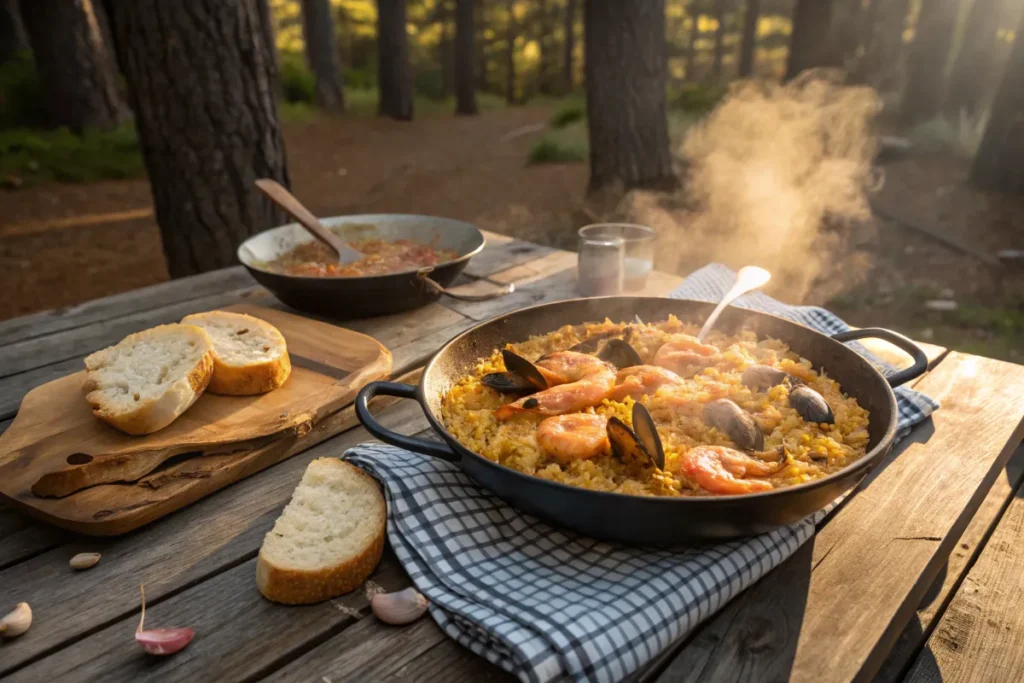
<point>149,378</point>
<point>329,538</point>
<point>250,355</point>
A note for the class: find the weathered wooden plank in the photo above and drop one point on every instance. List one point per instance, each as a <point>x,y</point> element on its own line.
<point>14,388</point>
<point>981,635</point>
<point>967,549</point>
<point>874,560</point>
<point>31,539</point>
<point>366,651</point>
<point>450,662</point>
<point>503,252</point>
<point>126,303</point>
<point>240,635</point>
<point>181,550</point>
<point>36,353</point>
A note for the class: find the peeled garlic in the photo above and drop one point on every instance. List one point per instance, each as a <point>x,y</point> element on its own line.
<point>398,608</point>
<point>84,560</point>
<point>17,621</point>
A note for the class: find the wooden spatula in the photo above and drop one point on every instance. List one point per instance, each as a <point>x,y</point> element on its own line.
<point>287,201</point>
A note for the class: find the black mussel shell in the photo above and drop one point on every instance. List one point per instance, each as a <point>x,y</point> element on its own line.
<point>761,377</point>
<point>626,445</point>
<point>593,342</point>
<point>508,383</point>
<point>518,365</point>
<point>737,424</point>
<point>647,433</point>
<point>811,405</point>
<point>620,354</point>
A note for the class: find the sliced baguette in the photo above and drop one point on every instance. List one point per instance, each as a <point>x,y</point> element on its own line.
<point>250,355</point>
<point>149,378</point>
<point>329,538</point>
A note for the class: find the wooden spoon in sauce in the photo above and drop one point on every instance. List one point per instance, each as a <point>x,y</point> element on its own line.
<point>287,201</point>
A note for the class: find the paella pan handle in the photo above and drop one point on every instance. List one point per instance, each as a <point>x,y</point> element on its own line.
<point>898,340</point>
<point>441,289</point>
<point>410,443</point>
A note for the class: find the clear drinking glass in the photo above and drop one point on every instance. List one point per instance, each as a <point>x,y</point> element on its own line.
<point>600,264</point>
<point>638,249</point>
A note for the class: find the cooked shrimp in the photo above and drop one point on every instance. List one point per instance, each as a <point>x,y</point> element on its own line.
<point>722,470</point>
<point>641,380</point>
<point>682,351</point>
<point>576,436</point>
<point>585,381</point>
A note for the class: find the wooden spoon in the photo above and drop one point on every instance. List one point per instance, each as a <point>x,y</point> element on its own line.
<point>287,201</point>
<point>748,279</point>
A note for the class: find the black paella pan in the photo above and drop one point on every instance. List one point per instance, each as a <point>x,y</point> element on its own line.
<point>359,297</point>
<point>642,519</point>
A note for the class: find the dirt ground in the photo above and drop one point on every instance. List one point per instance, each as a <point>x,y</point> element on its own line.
<point>65,244</point>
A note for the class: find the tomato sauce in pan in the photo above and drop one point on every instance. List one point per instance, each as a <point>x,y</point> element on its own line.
<point>316,259</point>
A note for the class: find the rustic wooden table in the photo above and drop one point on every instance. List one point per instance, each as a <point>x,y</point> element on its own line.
<point>916,577</point>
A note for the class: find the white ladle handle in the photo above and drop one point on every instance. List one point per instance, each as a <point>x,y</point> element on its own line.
<point>748,279</point>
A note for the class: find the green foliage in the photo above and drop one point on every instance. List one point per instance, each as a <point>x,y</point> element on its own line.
<point>428,82</point>
<point>696,98</point>
<point>297,81</point>
<point>569,111</point>
<point>297,112</point>
<point>21,98</point>
<point>561,145</point>
<point>35,155</point>
<point>359,78</point>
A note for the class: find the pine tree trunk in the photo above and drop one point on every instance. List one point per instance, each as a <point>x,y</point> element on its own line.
<point>393,71</point>
<point>974,62</point>
<point>207,122</point>
<point>322,54</point>
<point>74,63</point>
<point>465,90</point>
<point>926,64</point>
<point>446,50</point>
<point>882,62</point>
<point>626,65</point>
<point>483,73</point>
<point>691,45</point>
<point>269,33</point>
<point>510,53</point>
<point>545,39</point>
<point>1000,162</point>
<point>719,53</point>
<point>569,46</point>
<point>12,33</point>
<point>809,44</point>
<point>749,41</point>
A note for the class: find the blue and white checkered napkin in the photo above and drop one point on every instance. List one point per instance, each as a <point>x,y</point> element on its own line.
<point>547,604</point>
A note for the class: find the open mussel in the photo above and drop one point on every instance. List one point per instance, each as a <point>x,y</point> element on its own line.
<point>811,405</point>
<point>641,444</point>
<point>737,424</point>
<point>620,354</point>
<point>520,377</point>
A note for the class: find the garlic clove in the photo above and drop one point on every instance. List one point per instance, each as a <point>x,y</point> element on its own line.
<point>164,641</point>
<point>17,621</point>
<point>84,561</point>
<point>160,641</point>
<point>399,608</point>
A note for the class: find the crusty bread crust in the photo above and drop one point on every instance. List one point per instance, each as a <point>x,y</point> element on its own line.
<point>304,587</point>
<point>252,378</point>
<point>154,414</point>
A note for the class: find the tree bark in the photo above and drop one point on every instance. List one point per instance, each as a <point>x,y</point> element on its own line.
<point>1000,162</point>
<point>719,50</point>
<point>465,90</point>
<point>322,54</point>
<point>569,46</point>
<point>393,71</point>
<point>483,74</point>
<point>882,62</point>
<point>74,64</point>
<point>12,33</point>
<point>510,53</point>
<point>200,79</point>
<point>926,64</point>
<point>809,44</point>
<point>269,34</point>
<point>977,53</point>
<point>626,65</point>
<point>749,41</point>
<point>446,49</point>
<point>691,45</point>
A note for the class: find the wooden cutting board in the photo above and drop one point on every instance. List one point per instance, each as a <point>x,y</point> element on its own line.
<point>61,463</point>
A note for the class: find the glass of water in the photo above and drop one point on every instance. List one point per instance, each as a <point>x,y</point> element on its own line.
<point>637,250</point>
<point>600,264</point>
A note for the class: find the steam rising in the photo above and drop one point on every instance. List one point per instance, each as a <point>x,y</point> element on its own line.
<point>778,176</point>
